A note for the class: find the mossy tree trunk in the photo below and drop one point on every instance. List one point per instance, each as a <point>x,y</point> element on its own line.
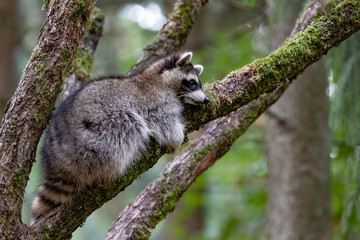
<point>266,77</point>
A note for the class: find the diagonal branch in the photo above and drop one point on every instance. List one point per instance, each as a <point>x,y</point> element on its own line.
<point>237,89</point>
<point>312,10</point>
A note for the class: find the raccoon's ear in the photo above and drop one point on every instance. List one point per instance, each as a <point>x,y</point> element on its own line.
<point>184,59</point>
<point>199,68</point>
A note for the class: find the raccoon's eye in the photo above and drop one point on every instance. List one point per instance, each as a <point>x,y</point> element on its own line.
<point>189,85</point>
<point>192,83</point>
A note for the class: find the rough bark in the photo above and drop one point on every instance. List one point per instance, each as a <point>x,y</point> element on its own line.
<point>298,149</point>
<point>284,64</point>
<point>31,106</point>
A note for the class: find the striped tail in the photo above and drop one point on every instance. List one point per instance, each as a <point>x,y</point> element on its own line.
<point>51,194</point>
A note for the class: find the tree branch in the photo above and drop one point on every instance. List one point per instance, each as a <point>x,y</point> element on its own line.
<point>312,10</point>
<point>31,106</point>
<point>138,219</point>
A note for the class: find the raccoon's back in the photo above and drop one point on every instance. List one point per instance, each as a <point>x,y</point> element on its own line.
<point>92,132</point>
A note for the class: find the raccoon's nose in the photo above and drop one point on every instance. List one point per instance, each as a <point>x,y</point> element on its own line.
<point>206,100</point>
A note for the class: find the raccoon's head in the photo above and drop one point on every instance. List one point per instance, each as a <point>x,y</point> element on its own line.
<point>185,80</point>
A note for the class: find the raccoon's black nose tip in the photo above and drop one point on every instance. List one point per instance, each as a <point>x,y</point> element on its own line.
<point>206,100</point>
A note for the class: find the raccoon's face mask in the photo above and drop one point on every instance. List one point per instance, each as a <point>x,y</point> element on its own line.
<point>191,87</point>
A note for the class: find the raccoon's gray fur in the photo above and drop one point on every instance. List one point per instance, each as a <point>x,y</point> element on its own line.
<point>102,128</point>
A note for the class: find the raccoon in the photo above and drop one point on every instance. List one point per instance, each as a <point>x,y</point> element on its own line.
<point>105,126</point>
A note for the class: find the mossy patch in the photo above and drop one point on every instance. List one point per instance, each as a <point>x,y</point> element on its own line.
<point>200,153</point>
<point>18,183</point>
<point>46,233</point>
<point>183,15</point>
<point>166,202</point>
<point>293,57</point>
<point>46,4</point>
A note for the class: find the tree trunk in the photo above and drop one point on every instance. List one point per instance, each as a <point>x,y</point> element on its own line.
<point>298,156</point>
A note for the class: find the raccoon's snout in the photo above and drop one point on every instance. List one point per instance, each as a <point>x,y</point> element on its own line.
<point>196,97</point>
<point>204,99</point>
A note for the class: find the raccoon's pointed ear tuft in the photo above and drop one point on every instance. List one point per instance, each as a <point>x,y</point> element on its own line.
<point>199,68</point>
<point>184,59</point>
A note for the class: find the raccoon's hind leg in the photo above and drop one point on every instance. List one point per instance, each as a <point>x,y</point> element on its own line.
<point>52,193</point>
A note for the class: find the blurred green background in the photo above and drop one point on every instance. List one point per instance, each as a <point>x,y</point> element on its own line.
<point>229,200</point>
